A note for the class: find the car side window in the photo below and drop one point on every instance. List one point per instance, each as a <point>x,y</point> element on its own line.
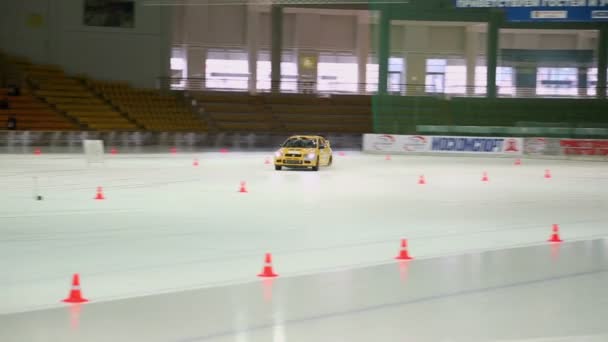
<point>322,144</point>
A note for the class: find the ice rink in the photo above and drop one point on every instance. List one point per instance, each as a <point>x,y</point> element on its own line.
<point>167,226</point>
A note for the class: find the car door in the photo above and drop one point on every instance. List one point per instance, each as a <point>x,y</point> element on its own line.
<point>323,152</point>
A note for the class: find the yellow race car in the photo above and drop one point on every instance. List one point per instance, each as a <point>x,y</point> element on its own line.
<point>304,151</point>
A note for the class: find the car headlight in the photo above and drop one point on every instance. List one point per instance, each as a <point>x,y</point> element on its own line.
<point>311,156</point>
<point>278,154</point>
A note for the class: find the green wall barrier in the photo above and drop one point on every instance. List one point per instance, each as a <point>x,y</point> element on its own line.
<point>402,114</point>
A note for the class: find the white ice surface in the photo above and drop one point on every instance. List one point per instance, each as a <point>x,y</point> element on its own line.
<point>167,226</point>
<point>555,292</point>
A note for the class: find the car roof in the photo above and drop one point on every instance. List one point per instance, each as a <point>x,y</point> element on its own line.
<point>306,137</point>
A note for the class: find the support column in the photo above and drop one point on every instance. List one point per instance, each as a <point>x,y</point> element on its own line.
<point>307,38</point>
<point>582,81</point>
<point>363,48</point>
<point>525,79</point>
<point>252,47</point>
<point>602,61</point>
<point>471,46</point>
<point>582,37</point>
<point>276,47</point>
<point>416,74</point>
<point>196,68</point>
<point>492,54</point>
<point>416,37</point>
<point>384,51</point>
<point>404,75</point>
<point>307,71</point>
<point>165,43</point>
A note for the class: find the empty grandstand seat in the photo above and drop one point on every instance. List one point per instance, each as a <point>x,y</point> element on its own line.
<point>33,114</point>
<point>76,100</point>
<point>149,108</point>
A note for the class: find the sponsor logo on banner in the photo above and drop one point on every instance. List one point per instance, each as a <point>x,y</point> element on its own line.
<point>599,14</point>
<point>584,147</point>
<point>384,142</point>
<point>415,143</point>
<point>512,145</point>
<point>477,145</point>
<point>396,143</point>
<point>535,145</point>
<point>549,14</point>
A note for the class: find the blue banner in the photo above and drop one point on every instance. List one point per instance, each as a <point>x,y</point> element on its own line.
<point>477,145</point>
<point>545,10</point>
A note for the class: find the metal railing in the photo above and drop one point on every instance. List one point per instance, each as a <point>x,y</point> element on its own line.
<point>328,88</point>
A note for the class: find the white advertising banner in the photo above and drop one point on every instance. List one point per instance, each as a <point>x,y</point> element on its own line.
<point>441,144</point>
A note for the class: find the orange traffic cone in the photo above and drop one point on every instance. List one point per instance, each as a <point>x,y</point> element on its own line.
<point>267,271</point>
<point>267,161</point>
<point>403,253</point>
<point>555,235</point>
<point>99,195</point>
<point>173,150</point>
<point>548,174</point>
<point>113,151</point>
<point>243,187</point>
<point>517,162</point>
<point>37,152</point>
<point>421,180</point>
<point>388,157</point>
<point>485,177</point>
<point>75,295</point>
<point>195,162</point>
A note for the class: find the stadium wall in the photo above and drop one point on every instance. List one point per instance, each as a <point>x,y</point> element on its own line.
<point>343,34</point>
<point>53,32</point>
<point>336,30</point>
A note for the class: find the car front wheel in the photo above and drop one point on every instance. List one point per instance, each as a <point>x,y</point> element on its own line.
<point>316,167</point>
<point>278,167</point>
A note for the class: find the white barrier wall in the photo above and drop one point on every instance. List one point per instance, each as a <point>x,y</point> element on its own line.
<point>16,141</point>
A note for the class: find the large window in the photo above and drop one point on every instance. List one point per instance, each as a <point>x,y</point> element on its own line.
<point>456,79</point>
<point>227,69</point>
<point>504,80</point>
<point>592,81</point>
<point>557,81</point>
<point>371,76</point>
<point>179,68</point>
<point>446,76</point>
<point>396,75</point>
<point>435,76</point>
<point>289,72</point>
<point>337,73</point>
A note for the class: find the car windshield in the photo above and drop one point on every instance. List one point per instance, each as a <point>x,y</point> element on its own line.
<point>300,143</point>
